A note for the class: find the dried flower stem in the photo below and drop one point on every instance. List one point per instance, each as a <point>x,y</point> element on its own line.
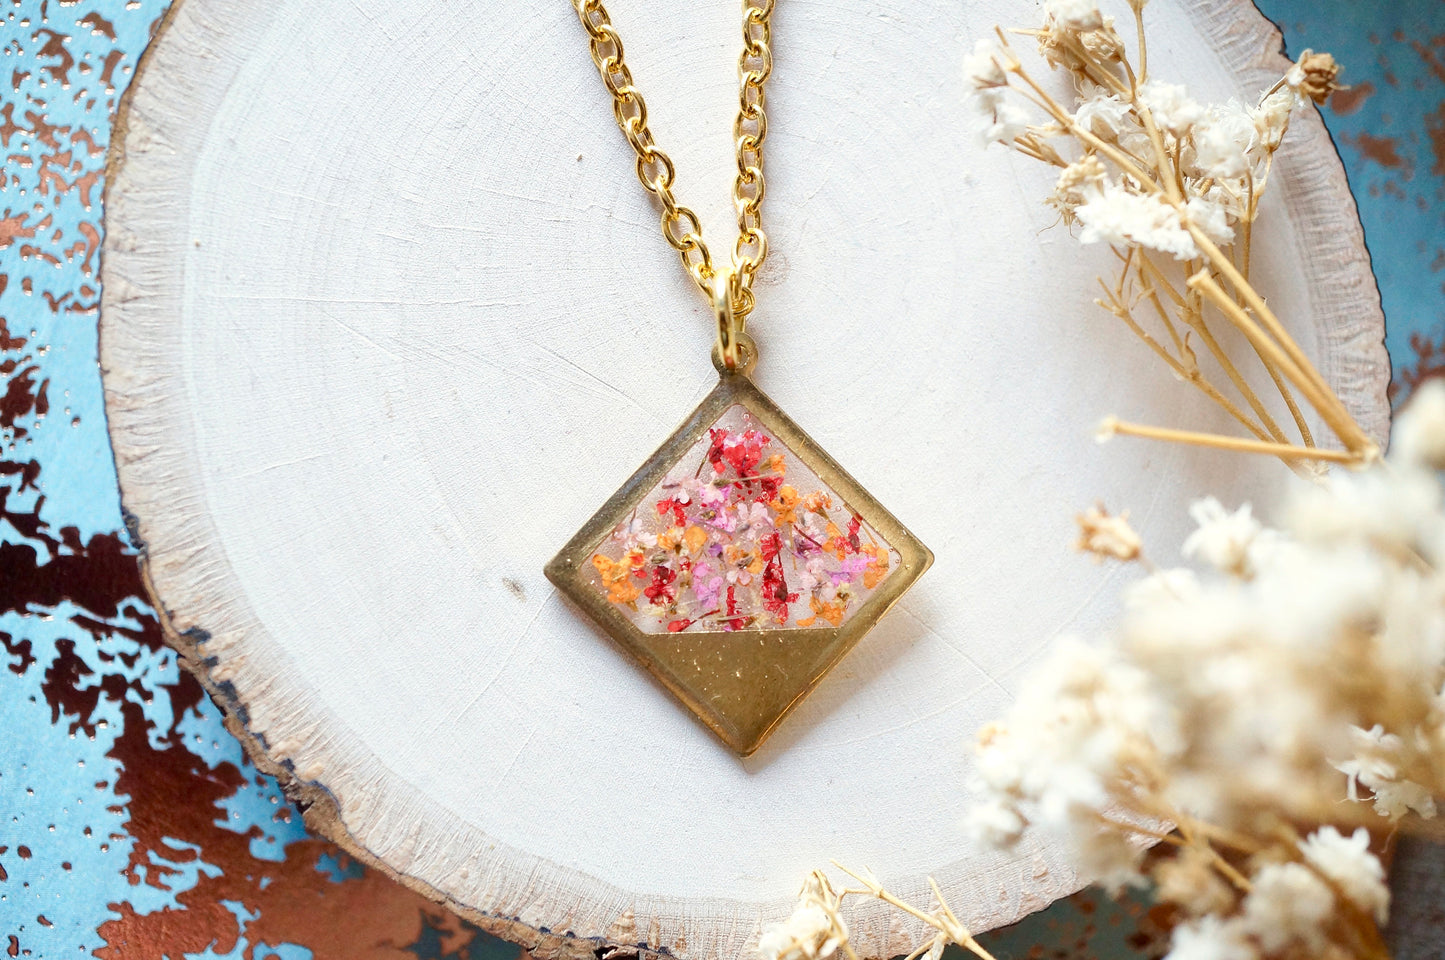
<point>944,921</point>
<point>1191,374</point>
<point>1306,376</point>
<point>1285,451</point>
<point>1066,120</point>
<point>1192,317</point>
<point>1279,358</point>
<point>1138,9</point>
<point>1195,321</point>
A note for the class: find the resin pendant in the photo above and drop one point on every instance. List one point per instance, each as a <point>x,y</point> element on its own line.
<point>740,563</point>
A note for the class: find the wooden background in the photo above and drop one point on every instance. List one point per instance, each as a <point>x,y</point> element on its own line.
<point>93,666</point>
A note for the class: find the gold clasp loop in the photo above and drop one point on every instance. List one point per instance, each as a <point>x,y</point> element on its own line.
<point>728,326</point>
<point>734,352</point>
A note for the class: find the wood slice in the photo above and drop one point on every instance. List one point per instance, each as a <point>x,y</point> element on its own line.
<point>386,317</point>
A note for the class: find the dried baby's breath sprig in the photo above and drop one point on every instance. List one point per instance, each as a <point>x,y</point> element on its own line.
<point>1107,537</point>
<point>1174,186</point>
<point>814,931</point>
<point>1250,734</point>
<point>1241,706</point>
<point>942,918</point>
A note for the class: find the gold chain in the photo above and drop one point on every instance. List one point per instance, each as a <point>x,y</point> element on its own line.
<point>680,226</point>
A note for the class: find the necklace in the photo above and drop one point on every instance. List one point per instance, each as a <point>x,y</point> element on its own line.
<point>740,562</point>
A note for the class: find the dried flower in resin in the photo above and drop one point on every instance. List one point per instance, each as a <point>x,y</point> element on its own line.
<point>741,535</point>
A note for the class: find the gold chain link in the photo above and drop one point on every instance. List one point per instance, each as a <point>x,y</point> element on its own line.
<point>680,226</point>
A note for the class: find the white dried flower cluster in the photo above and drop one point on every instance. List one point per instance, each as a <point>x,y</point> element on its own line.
<point>814,931</point>
<point>1076,31</point>
<point>1374,766</point>
<point>1292,904</point>
<point>1056,761</point>
<point>1314,652</point>
<point>1174,186</point>
<point>1075,15</point>
<point>1219,155</point>
<point>1174,162</point>
<point>1229,541</point>
<point>1124,217</point>
<point>1295,670</point>
<point>1348,863</point>
<point>1000,120</point>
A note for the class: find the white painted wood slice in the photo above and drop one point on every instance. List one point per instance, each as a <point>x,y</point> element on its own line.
<point>386,317</point>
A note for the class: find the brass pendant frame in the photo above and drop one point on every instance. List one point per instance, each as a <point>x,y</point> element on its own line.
<point>742,683</point>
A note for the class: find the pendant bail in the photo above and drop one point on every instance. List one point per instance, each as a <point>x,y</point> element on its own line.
<point>734,351</point>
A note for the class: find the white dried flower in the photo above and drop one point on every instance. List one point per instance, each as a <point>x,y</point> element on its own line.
<point>1223,141</point>
<point>1210,938</point>
<point>1107,536</point>
<point>1271,118</point>
<point>1075,14</point>
<point>1315,76</point>
<point>1223,539</point>
<point>1419,436</point>
<point>1395,798</point>
<point>1229,195</point>
<point>1373,768</point>
<point>1401,507</point>
<point>1077,182</point>
<point>809,934</point>
<point>1211,218</point>
<point>1002,121</point>
<point>1104,115</point>
<point>1108,857</point>
<point>1349,864</point>
<point>1084,720</point>
<point>994,824</point>
<point>1171,105</point>
<point>983,69</point>
<point>1075,34</point>
<point>1081,178</point>
<point>1103,43</point>
<point>1121,217</point>
<point>1287,903</point>
<point>1190,881</point>
<point>814,931</point>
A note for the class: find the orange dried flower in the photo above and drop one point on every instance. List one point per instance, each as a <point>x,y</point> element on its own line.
<point>832,612</point>
<point>617,575</point>
<point>878,565</point>
<point>818,502</point>
<point>786,505</point>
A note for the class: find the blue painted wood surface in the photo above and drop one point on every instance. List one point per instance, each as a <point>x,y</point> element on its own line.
<point>130,824</point>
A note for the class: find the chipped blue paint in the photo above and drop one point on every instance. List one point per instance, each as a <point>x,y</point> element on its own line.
<point>1394,58</point>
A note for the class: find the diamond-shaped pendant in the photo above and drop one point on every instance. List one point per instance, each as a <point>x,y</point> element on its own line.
<point>739,564</point>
